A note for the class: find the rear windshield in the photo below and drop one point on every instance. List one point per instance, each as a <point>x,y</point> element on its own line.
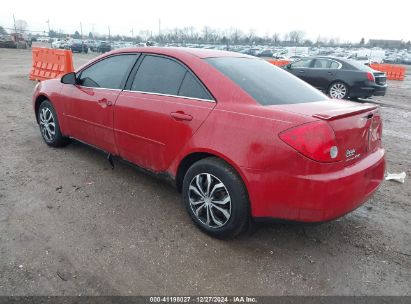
<point>359,65</point>
<point>267,84</point>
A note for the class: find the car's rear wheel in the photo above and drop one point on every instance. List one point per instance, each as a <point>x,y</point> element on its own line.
<point>216,198</point>
<point>338,90</point>
<point>49,125</point>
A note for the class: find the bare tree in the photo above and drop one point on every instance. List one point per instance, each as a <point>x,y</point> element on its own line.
<point>2,31</point>
<point>308,42</point>
<point>191,33</point>
<point>144,34</point>
<point>215,35</point>
<point>206,33</point>
<point>296,36</point>
<point>321,40</point>
<point>21,25</point>
<point>337,40</point>
<point>251,36</point>
<point>276,38</point>
<point>235,35</point>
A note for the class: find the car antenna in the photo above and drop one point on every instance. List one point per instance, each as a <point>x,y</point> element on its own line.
<point>110,160</point>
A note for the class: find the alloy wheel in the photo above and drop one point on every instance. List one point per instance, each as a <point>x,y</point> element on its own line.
<point>209,200</point>
<point>338,90</point>
<point>47,124</point>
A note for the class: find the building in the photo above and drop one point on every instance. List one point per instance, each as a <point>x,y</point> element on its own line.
<point>385,43</point>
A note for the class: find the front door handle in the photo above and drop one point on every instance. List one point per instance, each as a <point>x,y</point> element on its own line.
<point>302,71</point>
<point>104,102</point>
<point>180,115</point>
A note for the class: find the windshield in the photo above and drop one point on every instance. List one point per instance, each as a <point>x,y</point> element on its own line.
<point>267,84</point>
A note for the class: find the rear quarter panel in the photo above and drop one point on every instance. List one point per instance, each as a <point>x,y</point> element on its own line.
<point>351,78</point>
<point>243,140</point>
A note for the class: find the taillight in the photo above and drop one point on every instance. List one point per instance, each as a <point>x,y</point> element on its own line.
<point>375,133</point>
<point>370,77</point>
<point>316,140</point>
<point>376,127</point>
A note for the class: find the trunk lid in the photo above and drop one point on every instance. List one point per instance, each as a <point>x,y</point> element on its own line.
<point>357,127</point>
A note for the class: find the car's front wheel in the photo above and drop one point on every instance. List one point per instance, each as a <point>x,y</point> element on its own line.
<point>49,125</point>
<point>338,90</point>
<point>216,198</point>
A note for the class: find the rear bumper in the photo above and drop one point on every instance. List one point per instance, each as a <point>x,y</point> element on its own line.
<point>78,48</point>
<point>315,197</point>
<point>369,90</point>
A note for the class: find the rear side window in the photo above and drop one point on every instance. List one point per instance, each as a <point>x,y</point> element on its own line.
<point>322,64</point>
<point>159,75</point>
<point>334,65</point>
<point>108,73</point>
<point>190,87</point>
<point>267,84</point>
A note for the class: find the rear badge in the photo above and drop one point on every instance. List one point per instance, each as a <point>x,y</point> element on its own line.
<point>350,154</point>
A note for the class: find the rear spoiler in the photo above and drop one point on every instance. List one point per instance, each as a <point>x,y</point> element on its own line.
<point>341,113</point>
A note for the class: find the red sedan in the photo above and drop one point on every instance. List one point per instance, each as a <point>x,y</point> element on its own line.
<point>241,139</point>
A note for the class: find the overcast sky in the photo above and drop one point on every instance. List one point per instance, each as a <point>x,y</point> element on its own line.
<point>347,19</point>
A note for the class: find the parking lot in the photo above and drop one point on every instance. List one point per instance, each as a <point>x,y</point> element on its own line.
<point>70,225</point>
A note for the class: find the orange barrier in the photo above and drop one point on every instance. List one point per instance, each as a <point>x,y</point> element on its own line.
<point>279,62</point>
<point>50,63</point>
<point>394,72</point>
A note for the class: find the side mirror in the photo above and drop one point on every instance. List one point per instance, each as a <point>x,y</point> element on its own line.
<point>288,66</point>
<point>69,78</point>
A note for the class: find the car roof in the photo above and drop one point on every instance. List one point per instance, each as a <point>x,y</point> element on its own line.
<point>341,59</point>
<point>200,53</point>
<point>320,57</point>
<point>347,63</point>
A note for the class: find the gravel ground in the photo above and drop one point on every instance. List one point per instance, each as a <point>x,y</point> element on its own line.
<point>72,226</point>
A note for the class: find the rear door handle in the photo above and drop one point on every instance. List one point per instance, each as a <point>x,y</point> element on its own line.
<point>179,115</point>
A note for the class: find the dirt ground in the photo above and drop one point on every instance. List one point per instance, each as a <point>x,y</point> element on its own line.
<point>69,225</point>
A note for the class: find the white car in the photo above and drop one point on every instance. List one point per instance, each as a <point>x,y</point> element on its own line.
<point>58,44</point>
<point>43,39</point>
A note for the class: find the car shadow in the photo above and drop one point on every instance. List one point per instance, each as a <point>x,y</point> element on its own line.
<point>260,238</point>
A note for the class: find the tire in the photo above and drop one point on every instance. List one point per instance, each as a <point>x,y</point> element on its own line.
<point>230,216</point>
<point>49,125</point>
<point>338,90</point>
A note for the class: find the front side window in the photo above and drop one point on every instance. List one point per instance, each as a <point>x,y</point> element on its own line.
<point>267,84</point>
<point>108,73</point>
<point>158,75</point>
